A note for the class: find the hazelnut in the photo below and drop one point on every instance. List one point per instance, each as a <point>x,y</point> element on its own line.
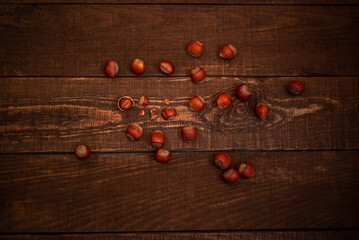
<point>243,92</point>
<point>246,170</point>
<point>262,110</point>
<point>82,151</point>
<point>162,155</point>
<point>222,160</point>
<point>195,48</point>
<point>157,139</point>
<point>154,114</point>
<point>189,134</point>
<point>138,66</point>
<point>125,103</point>
<point>141,112</point>
<point>228,52</point>
<point>295,88</point>
<point>169,113</point>
<point>166,67</point>
<point>198,74</point>
<point>111,69</point>
<point>196,103</point>
<point>134,131</point>
<point>223,101</point>
<point>231,176</point>
<point>143,101</point>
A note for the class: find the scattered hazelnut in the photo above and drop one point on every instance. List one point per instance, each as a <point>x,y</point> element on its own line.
<point>295,88</point>
<point>143,101</point>
<point>82,151</point>
<point>111,69</point>
<point>141,112</point>
<point>189,134</point>
<point>222,160</point>
<point>228,52</point>
<point>195,48</point>
<point>167,101</point>
<point>125,103</point>
<point>138,66</point>
<point>166,67</point>
<point>198,74</point>
<point>169,113</point>
<point>246,170</point>
<point>134,131</point>
<point>223,101</point>
<point>154,114</point>
<point>231,176</point>
<point>196,103</point>
<point>261,110</point>
<point>162,155</point>
<point>243,92</point>
<point>157,139</point>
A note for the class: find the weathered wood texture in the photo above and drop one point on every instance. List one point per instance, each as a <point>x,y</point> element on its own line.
<point>55,114</point>
<point>262,235</point>
<point>77,40</point>
<point>249,2</point>
<point>132,192</point>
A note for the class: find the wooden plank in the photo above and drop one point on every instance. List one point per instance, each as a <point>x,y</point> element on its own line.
<point>132,192</point>
<point>77,40</point>
<point>227,2</point>
<point>59,113</point>
<point>262,235</point>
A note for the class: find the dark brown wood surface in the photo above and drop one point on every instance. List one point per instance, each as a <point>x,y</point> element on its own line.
<point>132,192</point>
<point>77,40</point>
<point>54,95</point>
<point>262,235</point>
<point>206,2</point>
<point>62,112</point>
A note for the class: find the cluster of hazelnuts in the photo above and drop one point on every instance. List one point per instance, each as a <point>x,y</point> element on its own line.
<point>196,103</point>
<point>232,175</point>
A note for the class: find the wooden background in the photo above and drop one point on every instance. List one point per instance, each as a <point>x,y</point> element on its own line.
<point>54,95</point>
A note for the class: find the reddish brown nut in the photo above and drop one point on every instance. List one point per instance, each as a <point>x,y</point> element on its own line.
<point>167,101</point>
<point>169,113</point>
<point>154,114</point>
<point>262,110</point>
<point>198,74</point>
<point>111,69</point>
<point>162,155</point>
<point>134,131</point>
<point>141,112</point>
<point>246,170</point>
<point>243,92</point>
<point>222,160</point>
<point>231,176</point>
<point>223,101</point>
<point>143,101</point>
<point>195,48</point>
<point>138,66</point>
<point>189,134</point>
<point>82,151</point>
<point>196,103</point>
<point>125,103</point>
<point>166,67</point>
<point>295,88</point>
<point>157,139</point>
<point>228,52</point>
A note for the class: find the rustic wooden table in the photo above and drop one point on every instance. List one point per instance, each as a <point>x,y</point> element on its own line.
<point>54,95</point>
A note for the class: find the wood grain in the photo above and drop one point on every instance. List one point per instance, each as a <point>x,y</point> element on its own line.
<point>262,235</point>
<point>77,40</point>
<point>231,2</point>
<point>132,192</point>
<point>59,113</point>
